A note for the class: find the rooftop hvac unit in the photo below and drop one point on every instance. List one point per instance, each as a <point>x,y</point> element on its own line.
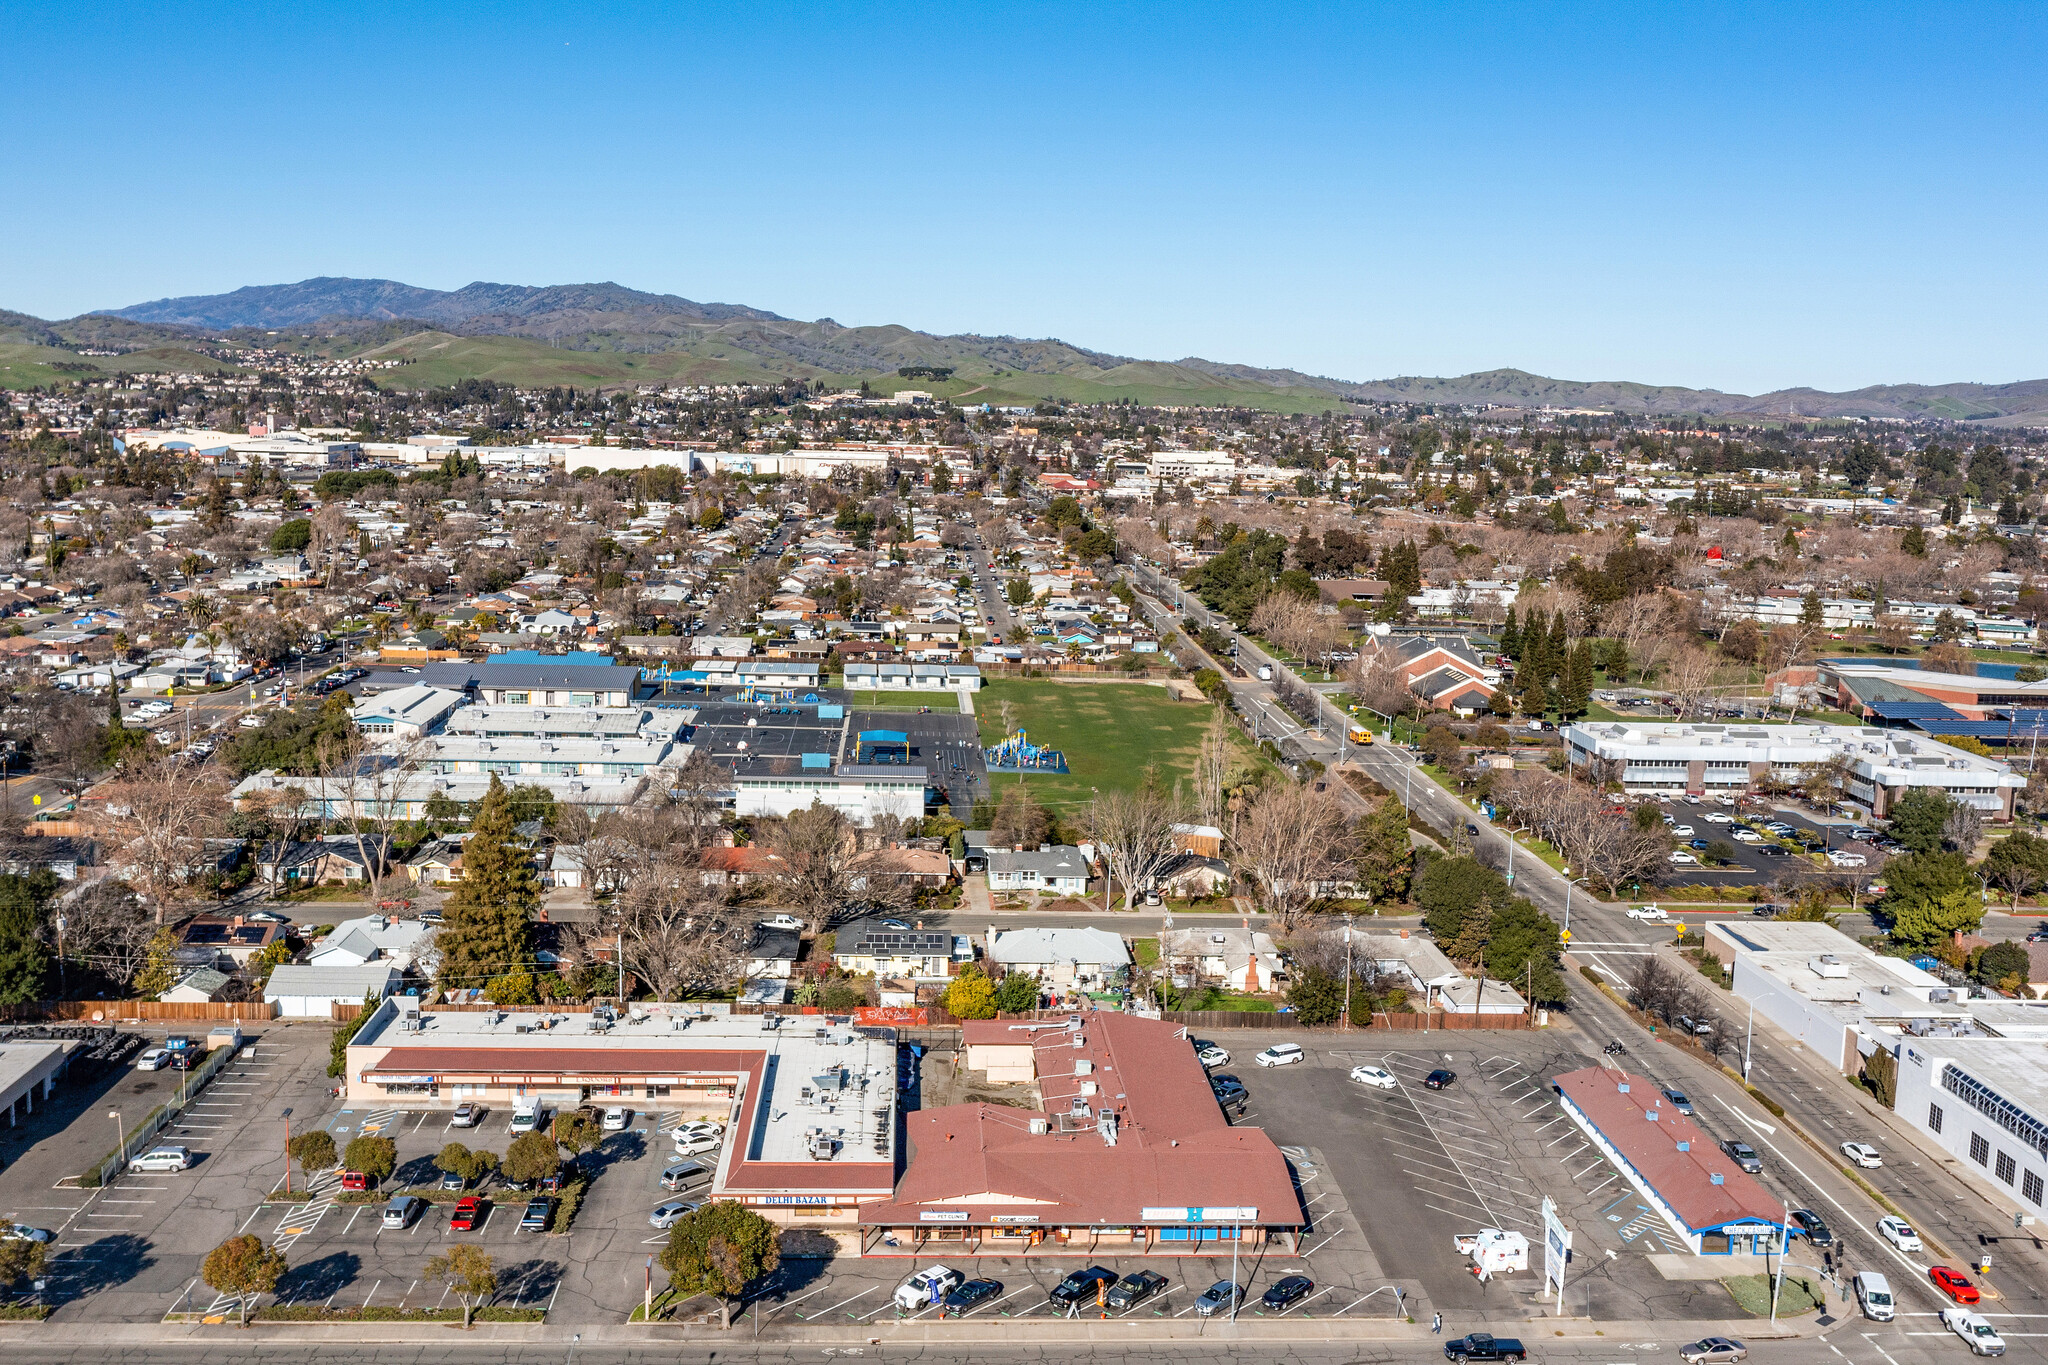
<point>1080,1041</point>
<point>1089,1087</point>
<point>1082,1066</point>
<point>1829,966</point>
<point>1040,1126</point>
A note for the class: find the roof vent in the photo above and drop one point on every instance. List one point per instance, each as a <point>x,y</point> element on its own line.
<point>1718,1179</point>
<point>1685,1146</point>
<point>1623,1087</point>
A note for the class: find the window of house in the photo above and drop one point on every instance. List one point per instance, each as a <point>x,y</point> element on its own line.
<point>1980,1150</point>
<point>2007,1168</point>
<point>2030,1186</point>
<point>1933,1118</point>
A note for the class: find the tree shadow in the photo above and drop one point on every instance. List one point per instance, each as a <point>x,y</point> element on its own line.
<point>76,1272</point>
<point>420,1170</point>
<point>528,1284</point>
<point>317,1281</point>
<point>629,1145</point>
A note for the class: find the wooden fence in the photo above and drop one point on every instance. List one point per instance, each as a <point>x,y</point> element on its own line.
<point>112,1011</point>
<point>1437,1019</point>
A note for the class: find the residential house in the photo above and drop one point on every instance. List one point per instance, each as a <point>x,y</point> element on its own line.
<point>1062,959</point>
<point>1242,959</point>
<point>899,866</point>
<point>1058,869</point>
<point>333,857</point>
<point>371,938</point>
<point>865,949</point>
<point>197,987</point>
<point>229,936</point>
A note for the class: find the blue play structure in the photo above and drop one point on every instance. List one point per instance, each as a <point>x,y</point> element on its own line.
<point>1018,754</point>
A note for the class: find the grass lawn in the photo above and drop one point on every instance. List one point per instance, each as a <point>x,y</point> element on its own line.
<point>1796,1296</point>
<point>1110,733</point>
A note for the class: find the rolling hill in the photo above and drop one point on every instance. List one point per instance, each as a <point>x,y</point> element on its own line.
<point>596,335</point>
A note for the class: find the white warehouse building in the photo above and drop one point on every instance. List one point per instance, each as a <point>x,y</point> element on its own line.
<point>1708,759</point>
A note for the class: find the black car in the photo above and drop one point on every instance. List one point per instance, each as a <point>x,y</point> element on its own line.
<point>1082,1286</point>
<point>971,1293</point>
<point>1808,1224</point>
<point>538,1211</point>
<point>1287,1291</point>
<point>1772,851</point>
<point>1229,1092</point>
<point>1440,1079</point>
<point>1134,1289</point>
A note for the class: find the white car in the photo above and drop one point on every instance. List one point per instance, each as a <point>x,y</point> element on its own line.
<point>1718,817</point>
<point>1681,856</point>
<point>1372,1075</point>
<point>1899,1233</point>
<point>927,1287</point>
<point>616,1120</point>
<point>690,1143</point>
<point>1690,799</point>
<point>1684,831</point>
<point>162,1159</point>
<point>1863,1154</point>
<point>1281,1054</point>
<point>1972,1328</point>
<point>1841,859</point>
<point>1649,912</point>
<point>1747,836</point>
<point>153,1059</point>
<point>1213,1056</point>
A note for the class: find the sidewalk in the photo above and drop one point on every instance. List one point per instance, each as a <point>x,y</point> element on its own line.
<point>911,1332</point>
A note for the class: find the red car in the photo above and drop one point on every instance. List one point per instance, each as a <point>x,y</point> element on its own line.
<point>1952,1284</point>
<point>469,1216</point>
<point>354,1180</point>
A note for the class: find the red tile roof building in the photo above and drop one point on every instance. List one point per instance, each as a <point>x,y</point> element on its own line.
<point>1129,1154</point>
<point>1711,1204</point>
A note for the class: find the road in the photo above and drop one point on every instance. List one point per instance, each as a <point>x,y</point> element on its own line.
<point>1813,1093</point>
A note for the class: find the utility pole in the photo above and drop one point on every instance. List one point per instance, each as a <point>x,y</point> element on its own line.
<point>1347,969</point>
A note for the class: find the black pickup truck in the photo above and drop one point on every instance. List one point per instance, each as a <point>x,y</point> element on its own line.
<point>1481,1346</point>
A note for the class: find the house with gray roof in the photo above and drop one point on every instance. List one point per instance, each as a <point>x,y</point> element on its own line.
<point>1058,869</point>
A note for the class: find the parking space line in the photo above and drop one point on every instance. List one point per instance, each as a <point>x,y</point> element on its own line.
<point>1305,1302</point>
<point>843,1302</point>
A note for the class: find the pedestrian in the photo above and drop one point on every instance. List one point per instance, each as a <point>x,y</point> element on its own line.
<point>1436,1324</point>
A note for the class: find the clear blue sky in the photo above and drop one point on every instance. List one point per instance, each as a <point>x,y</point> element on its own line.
<point>1743,197</point>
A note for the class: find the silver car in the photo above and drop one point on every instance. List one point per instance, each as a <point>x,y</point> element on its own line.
<point>666,1215</point>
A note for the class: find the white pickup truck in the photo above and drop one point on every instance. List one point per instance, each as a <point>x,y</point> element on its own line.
<point>1652,913</point>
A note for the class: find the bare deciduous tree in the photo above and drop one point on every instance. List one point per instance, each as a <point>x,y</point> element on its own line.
<point>1292,841</point>
<point>164,812</point>
<point>814,847</point>
<point>1134,830</point>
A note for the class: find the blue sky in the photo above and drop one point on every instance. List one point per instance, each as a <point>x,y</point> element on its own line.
<point>1742,197</point>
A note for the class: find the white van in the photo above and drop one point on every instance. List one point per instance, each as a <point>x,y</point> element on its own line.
<point>1874,1296</point>
<point>526,1116</point>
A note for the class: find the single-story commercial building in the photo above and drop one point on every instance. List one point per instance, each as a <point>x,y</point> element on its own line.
<point>1126,1155</point>
<point>862,791</point>
<point>1712,1206</point>
<point>28,1070</point>
<point>811,1109</point>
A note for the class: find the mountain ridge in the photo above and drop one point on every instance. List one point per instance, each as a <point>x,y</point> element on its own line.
<point>606,333</point>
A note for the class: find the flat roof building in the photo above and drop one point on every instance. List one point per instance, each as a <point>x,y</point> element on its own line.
<point>537,684</point>
<point>782,784</point>
<point>1660,757</point>
<point>810,1104</point>
<point>29,1068</point>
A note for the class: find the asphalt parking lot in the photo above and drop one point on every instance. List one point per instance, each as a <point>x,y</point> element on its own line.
<point>1424,1165</point>
<point>1751,866</point>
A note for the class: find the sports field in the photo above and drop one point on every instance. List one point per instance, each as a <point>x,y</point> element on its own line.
<point>1109,732</point>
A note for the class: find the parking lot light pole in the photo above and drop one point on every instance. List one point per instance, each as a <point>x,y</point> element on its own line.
<point>120,1134</point>
<point>287,1151</point>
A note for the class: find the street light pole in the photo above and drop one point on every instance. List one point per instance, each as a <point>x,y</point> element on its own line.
<point>1748,1033</point>
<point>287,1151</point>
<point>1347,969</point>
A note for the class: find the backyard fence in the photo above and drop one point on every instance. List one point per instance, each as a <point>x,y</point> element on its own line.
<point>114,1011</point>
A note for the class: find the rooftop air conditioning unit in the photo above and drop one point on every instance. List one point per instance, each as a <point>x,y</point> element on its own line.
<point>1829,966</point>
<point>1082,1066</point>
<point>1089,1087</point>
<point>1040,1126</point>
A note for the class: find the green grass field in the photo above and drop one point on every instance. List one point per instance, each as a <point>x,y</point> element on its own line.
<point>1110,733</point>
<point>871,700</point>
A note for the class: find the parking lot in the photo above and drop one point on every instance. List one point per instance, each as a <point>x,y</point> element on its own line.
<point>1754,863</point>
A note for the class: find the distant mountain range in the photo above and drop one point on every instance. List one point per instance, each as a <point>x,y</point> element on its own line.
<point>605,334</point>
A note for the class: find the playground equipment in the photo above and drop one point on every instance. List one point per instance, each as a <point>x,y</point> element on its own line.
<point>882,746</point>
<point>1018,754</point>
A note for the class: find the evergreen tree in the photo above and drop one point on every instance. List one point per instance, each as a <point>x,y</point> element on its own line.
<point>1810,611</point>
<point>159,972</point>
<point>485,932</point>
<point>1560,638</point>
<point>1535,701</point>
<point>1914,542</point>
<point>1510,637</point>
<point>1578,682</point>
<point>1385,853</point>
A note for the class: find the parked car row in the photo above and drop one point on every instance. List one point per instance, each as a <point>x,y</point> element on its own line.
<point>1096,1286</point>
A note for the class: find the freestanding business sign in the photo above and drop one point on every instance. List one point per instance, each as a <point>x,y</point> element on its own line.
<point>1557,1246</point>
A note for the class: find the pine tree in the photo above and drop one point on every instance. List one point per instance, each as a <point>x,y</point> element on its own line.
<point>1578,685</point>
<point>1385,853</point>
<point>1535,701</point>
<point>1914,542</point>
<point>1560,639</point>
<point>159,972</point>
<point>1510,637</point>
<point>484,932</point>
<point>1811,613</point>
